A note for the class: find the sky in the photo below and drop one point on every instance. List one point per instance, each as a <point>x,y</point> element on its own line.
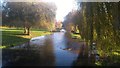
<point>63,8</point>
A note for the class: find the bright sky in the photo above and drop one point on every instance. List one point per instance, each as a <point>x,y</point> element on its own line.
<point>63,8</point>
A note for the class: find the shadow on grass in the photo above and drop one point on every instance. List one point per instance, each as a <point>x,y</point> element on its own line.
<point>20,34</point>
<point>11,33</point>
<point>13,28</point>
<point>10,39</point>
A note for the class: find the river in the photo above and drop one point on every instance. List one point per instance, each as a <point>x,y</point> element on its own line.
<point>57,49</point>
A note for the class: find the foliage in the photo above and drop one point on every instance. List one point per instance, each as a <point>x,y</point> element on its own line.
<point>28,14</point>
<point>99,22</point>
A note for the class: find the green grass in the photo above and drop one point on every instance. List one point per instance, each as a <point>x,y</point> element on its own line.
<point>77,36</point>
<point>13,36</point>
<point>112,59</point>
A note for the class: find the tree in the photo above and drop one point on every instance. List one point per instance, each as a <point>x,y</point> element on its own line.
<point>29,13</point>
<point>99,22</point>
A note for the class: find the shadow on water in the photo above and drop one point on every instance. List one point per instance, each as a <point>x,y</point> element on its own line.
<point>28,56</point>
<point>83,58</point>
<point>51,50</point>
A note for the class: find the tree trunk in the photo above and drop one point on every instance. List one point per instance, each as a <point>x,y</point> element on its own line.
<point>25,30</point>
<point>91,35</point>
<point>75,28</point>
<point>28,31</point>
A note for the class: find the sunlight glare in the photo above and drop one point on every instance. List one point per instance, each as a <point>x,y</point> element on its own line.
<point>63,8</point>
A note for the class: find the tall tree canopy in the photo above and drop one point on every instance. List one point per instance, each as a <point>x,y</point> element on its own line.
<point>102,23</point>
<point>28,14</point>
<point>99,22</point>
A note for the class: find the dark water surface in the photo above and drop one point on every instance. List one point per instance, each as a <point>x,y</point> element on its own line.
<point>56,49</point>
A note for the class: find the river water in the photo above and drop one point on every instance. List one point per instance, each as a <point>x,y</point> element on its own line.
<point>57,49</point>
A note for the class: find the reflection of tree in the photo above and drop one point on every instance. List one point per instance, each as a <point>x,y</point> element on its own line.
<point>48,52</point>
<point>67,40</point>
<point>83,58</point>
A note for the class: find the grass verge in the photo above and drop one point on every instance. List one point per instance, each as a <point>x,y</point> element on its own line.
<point>77,37</point>
<point>13,36</point>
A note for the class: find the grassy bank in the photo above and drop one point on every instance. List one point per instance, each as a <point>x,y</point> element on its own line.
<point>106,57</point>
<point>77,37</point>
<point>13,36</point>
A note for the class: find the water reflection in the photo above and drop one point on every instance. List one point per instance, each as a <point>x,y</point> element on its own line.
<point>51,50</point>
<point>63,57</point>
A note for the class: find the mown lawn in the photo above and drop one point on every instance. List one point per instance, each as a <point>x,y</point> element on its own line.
<point>13,36</point>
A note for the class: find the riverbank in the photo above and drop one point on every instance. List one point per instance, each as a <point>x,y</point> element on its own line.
<point>106,57</point>
<point>14,36</point>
